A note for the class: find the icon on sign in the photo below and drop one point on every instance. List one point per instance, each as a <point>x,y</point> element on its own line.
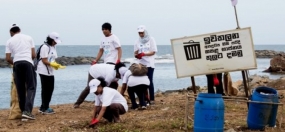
<point>192,50</point>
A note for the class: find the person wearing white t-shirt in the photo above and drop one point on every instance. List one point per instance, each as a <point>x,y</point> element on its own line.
<point>109,103</point>
<point>48,55</point>
<point>110,46</point>
<point>22,48</point>
<point>144,50</point>
<point>138,85</point>
<point>110,73</point>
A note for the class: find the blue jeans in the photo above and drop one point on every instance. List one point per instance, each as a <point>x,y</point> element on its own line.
<point>150,77</point>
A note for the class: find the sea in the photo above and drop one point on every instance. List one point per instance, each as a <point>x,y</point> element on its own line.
<point>71,81</point>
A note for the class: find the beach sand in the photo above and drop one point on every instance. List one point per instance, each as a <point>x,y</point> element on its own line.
<point>167,115</point>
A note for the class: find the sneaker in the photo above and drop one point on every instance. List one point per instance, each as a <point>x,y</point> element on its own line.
<point>40,111</point>
<point>48,111</point>
<point>152,102</point>
<point>76,106</point>
<point>143,108</point>
<point>28,115</point>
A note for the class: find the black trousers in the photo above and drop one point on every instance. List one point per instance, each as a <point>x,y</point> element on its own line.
<point>26,82</point>
<point>210,81</point>
<point>112,112</point>
<point>47,90</point>
<point>140,92</point>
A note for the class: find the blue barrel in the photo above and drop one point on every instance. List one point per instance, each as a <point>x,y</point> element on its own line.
<point>260,115</point>
<point>209,113</point>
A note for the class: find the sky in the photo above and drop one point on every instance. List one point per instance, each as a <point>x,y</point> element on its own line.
<point>79,22</point>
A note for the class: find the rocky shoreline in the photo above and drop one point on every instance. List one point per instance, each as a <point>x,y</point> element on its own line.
<point>80,60</point>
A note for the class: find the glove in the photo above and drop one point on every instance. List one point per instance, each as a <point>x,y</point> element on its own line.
<point>216,81</point>
<point>54,65</point>
<point>93,62</point>
<point>118,61</point>
<point>93,122</point>
<point>140,55</point>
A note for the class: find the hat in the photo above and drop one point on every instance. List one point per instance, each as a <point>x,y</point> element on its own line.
<point>122,71</point>
<point>93,84</point>
<point>141,28</point>
<point>14,25</point>
<point>55,37</point>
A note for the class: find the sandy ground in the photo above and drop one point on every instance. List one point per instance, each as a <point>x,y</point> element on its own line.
<point>167,115</point>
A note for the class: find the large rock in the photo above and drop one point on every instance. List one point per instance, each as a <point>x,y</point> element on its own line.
<point>277,64</point>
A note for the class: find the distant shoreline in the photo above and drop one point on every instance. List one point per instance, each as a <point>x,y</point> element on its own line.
<point>81,60</point>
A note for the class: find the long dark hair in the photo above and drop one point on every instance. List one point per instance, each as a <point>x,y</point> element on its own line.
<point>49,41</point>
<point>102,81</point>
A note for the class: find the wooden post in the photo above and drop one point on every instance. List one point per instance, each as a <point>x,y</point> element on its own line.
<point>244,83</point>
<point>193,84</point>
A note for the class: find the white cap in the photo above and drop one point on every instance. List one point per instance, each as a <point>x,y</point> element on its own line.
<point>93,85</point>
<point>141,28</point>
<point>14,25</point>
<point>122,71</point>
<point>55,37</point>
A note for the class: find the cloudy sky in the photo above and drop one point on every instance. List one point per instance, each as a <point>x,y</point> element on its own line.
<point>79,22</point>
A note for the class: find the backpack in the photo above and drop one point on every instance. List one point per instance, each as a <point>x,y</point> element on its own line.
<point>138,69</point>
<point>38,57</point>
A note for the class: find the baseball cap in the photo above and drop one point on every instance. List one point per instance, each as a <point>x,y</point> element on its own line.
<point>93,84</point>
<point>55,37</point>
<point>14,25</point>
<point>122,71</point>
<point>141,28</point>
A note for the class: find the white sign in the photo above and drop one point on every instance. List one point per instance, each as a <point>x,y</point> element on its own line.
<point>211,53</point>
<point>234,2</point>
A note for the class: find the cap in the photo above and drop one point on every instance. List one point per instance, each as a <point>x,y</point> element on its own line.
<point>93,84</point>
<point>55,37</point>
<point>14,25</point>
<point>141,28</point>
<point>122,71</point>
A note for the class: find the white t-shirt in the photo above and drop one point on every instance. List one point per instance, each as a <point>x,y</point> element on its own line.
<point>106,71</point>
<point>146,48</point>
<point>135,80</point>
<point>20,46</point>
<point>50,53</point>
<point>110,96</point>
<point>109,45</point>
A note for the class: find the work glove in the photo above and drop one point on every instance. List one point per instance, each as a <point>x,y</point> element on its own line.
<point>139,56</point>
<point>93,122</point>
<point>93,62</point>
<point>56,65</point>
<point>118,61</point>
<point>216,81</point>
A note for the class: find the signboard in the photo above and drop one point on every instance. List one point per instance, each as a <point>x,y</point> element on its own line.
<point>212,53</point>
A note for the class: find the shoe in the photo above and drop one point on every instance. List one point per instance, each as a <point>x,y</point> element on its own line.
<point>76,106</point>
<point>48,111</point>
<point>152,102</point>
<point>40,111</point>
<point>28,115</point>
<point>143,108</point>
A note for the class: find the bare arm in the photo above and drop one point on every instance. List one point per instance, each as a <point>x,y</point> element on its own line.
<point>136,52</point>
<point>102,111</point>
<point>150,53</point>
<point>9,59</point>
<point>99,55</point>
<point>45,61</point>
<point>119,53</point>
<point>33,53</point>
<point>124,87</point>
<point>95,110</point>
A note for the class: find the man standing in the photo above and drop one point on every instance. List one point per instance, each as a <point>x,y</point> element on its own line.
<point>23,49</point>
<point>109,103</point>
<point>110,46</point>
